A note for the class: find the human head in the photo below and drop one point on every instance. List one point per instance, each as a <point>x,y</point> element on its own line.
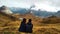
<point>30,20</point>
<point>24,19</point>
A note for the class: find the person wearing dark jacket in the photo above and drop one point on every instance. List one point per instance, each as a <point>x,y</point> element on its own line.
<point>29,26</point>
<point>22,27</point>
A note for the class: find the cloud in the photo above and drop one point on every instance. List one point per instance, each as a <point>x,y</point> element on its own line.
<point>50,2</point>
<point>27,3</point>
<point>55,3</point>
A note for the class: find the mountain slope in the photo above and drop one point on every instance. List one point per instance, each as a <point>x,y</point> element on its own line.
<point>5,10</point>
<point>51,20</point>
<point>5,19</point>
<point>34,12</point>
<point>57,14</point>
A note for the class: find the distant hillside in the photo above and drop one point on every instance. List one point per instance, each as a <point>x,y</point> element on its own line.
<point>43,14</point>
<point>18,10</point>
<point>35,20</point>
<point>17,13</point>
<point>34,12</point>
<point>58,14</point>
<point>51,20</point>
<point>39,12</point>
<point>8,20</point>
<point>5,10</point>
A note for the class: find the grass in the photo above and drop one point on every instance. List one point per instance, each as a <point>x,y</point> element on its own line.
<point>8,26</point>
<point>49,29</point>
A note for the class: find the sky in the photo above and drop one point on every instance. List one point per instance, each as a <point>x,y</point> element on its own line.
<point>48,5</point>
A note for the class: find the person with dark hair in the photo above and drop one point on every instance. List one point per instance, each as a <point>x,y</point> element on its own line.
<point>22,27</point>
<point>29,26</point>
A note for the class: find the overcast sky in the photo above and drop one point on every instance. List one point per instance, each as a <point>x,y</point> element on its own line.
<point>49,5</point>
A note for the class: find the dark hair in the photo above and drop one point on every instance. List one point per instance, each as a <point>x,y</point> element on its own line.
<point>24,19</point>
<point>30,20</point>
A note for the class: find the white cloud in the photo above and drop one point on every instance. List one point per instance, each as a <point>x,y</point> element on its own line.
<point>48,5</point>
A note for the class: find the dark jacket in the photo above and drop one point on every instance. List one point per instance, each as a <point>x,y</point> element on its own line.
<point>22,27</point>
<point>29,27</point>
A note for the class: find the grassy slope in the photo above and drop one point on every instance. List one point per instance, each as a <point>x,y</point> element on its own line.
<point>8,26</point>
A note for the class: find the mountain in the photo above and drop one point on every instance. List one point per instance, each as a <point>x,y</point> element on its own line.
<point>34,12</point>
<point>18,10</point>
<point>39,13</point>
<point>5,10</point>
<point>51,20</point>
<point>10,22</point>
<point>58,14</point>
<point>42,13</point>
<point>7,18</point>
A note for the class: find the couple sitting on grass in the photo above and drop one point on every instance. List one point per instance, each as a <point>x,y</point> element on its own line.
<point>26,27</point>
